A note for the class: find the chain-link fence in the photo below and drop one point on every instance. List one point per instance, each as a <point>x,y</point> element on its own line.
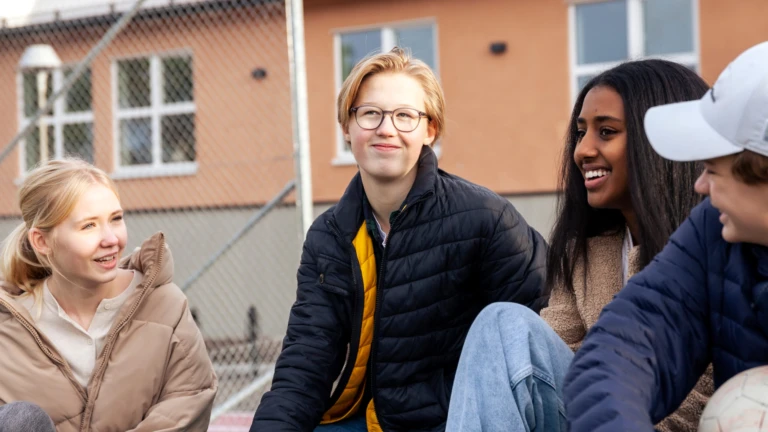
<point>188,107</point>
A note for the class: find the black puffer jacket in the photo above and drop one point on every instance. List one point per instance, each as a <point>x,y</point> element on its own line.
<point>454,248</point>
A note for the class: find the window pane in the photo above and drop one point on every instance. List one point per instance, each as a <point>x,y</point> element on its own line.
<point>32,147</point>
<point>30,92</point>
<point>583,80</point>
<point>136,141</point>
<point>79,96</point>
<point>78,140</point>
<point>133,83</point>
<point>421,42</point>
<point>356,46</point>
<point>178,137</point>
<point>177,79</point>
<point>668,26</point>
<point>601,32</point>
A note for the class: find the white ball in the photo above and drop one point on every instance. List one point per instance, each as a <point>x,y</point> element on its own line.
<point>739,405</point>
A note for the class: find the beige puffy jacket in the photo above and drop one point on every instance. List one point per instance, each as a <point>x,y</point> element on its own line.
<point>153,373</point>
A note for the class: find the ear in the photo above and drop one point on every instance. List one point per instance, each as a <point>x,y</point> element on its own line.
<point>431,132</point>
<point>345,130</point>
<point>39,241</point>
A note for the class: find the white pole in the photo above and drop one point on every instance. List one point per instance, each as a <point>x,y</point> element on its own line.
<point>297,60</point>
<point>42,87</point>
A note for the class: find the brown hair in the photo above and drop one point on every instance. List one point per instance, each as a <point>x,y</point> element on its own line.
<point>750,167</point>
<point>397,60</point>
<point>47,196</point>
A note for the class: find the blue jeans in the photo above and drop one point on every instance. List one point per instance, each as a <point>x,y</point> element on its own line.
<point>510,375</point>
<point>355,423</point>
<point>24,416</point>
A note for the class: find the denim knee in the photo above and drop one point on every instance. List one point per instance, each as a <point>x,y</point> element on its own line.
<point>509,314</point>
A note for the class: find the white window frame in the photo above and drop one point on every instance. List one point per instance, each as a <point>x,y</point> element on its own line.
<point>155,112</point>
<point>58,117</point>
<point>635,42</point>
<point>344,156</point>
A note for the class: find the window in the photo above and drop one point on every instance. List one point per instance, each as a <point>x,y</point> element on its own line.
<point>606,33</point>
<point>155,116</point>
<point>67,130</point>
<point>353,46</point>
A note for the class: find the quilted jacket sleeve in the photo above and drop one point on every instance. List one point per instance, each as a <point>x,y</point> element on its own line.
<point>308,363</point>
<point>648,349</point>
<point>513,267</point>
<point>686,418</point>
<point>186,400</point>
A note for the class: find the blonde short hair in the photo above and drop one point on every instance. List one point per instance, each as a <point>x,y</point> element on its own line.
<point>397,60</point>
<point>47,197</point>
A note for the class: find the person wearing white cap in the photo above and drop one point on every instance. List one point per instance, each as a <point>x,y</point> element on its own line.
<point>704,298</point>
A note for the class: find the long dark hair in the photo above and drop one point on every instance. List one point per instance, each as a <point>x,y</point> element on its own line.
<point>661,191</point>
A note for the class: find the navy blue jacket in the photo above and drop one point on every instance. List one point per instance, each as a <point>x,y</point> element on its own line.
<point>700,300</point>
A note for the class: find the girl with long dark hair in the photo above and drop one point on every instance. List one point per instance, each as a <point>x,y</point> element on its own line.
<point>620,202</point>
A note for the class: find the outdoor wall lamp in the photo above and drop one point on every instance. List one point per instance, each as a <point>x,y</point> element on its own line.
<point>498,48</point>
<point>42,59</point>
<point>259,73</point>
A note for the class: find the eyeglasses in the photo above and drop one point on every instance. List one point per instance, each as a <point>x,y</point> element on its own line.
<point>371,117</point>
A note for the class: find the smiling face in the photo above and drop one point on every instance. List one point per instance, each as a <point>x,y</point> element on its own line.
<point>86,247</point>
<point>743,207</point>
<point>601,150</point>
<point>385,153</point>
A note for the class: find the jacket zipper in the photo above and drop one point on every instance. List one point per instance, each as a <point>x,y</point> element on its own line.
<point>379,278</point>
<point>47,351</point>
<point>355,270</point>
<point>107,350</point>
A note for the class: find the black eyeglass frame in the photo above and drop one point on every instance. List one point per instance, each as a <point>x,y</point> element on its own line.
<point>384,113</point>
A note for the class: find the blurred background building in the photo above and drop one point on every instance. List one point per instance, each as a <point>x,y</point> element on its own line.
<point>189,108</point>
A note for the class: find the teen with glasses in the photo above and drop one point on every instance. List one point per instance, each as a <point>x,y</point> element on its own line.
<point>392,276</point>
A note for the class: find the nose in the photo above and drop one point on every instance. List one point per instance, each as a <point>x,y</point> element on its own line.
<point>387,126</point>
<point>702,184</point>
<point>585,149</point>
<point>108,237</point>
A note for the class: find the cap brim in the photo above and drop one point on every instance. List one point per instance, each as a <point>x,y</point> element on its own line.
<point>679,132</point>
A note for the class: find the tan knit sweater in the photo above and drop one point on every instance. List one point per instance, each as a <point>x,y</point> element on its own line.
<point>571,314</point>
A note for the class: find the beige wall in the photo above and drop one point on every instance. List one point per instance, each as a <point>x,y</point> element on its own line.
<point>506,114</point>
<point>726,29</point>
<point>243,126</point>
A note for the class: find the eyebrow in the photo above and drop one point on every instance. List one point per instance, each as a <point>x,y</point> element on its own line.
<point>600,119</point>
<point>377,106</point>
<point>90,218</point>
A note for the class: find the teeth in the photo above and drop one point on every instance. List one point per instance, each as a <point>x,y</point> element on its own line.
<point>106,259</point>
<point>596,173</point>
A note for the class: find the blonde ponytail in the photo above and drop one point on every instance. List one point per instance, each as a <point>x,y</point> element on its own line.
<point>20,265</point>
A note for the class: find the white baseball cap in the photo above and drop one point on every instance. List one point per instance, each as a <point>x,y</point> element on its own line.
<point>728,119</point>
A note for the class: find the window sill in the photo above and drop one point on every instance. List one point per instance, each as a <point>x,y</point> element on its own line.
<point>149,171</point>
<point>346,158</point>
